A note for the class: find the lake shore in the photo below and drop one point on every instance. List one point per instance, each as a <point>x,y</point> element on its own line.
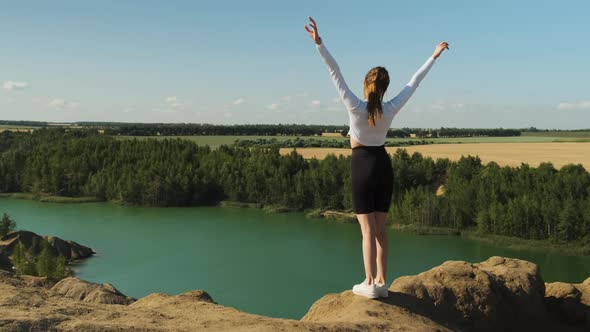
<point>508,242</point>
<point>49,198</point>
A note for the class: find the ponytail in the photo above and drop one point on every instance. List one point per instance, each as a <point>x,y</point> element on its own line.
<point>376,83</point>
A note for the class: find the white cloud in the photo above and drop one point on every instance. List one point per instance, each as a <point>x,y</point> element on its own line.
<point>174,102</point>
<point>287,98</point>
<point>273,106</point>
<point>163,110</point>
<point>238,101</point>
<point>582,105</point>
<point>62,104</point>
<point>444,106</point>
<point>316,103</point>
<point>12,85</point>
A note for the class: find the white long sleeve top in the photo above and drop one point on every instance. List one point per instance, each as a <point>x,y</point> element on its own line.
<point>357,109</point>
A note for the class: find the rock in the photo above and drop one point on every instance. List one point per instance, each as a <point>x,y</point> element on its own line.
<point>90,292</point>
<point>498,294</point>
<point>158,299</point>
<point>569,303</point>
<point>372,315</point>
<point>31,308</point>
<point>69,249</point>
<point>338,215</point>
<point>37,281</point>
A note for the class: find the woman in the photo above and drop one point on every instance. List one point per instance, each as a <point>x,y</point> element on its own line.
<point>371,172</point>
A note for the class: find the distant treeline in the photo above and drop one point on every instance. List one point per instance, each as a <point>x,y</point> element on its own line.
<point>211,130</point>
<point>312,143</point>
<point>451,132</point>
<point>536,130</point>
<point>536,203</point>
<point>193,129</point>
<point>23,123</point>
<point>291,130</point>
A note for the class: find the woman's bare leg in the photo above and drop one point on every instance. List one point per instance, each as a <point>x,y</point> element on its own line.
<point>381,237</point>
<point>367,222</point>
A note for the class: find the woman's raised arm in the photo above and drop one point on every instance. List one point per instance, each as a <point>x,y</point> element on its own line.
<point>349,99</point>
<point>402,98</point>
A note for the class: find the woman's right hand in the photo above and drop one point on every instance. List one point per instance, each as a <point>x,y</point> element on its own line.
<point>313,32</point>
<point>439,49</point>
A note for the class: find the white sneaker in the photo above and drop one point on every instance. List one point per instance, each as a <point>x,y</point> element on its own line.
<point>382,290</point>
<point>365,290</point>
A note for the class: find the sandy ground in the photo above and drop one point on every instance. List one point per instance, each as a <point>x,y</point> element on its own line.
<point>27,307</point>
<point>511,154</point>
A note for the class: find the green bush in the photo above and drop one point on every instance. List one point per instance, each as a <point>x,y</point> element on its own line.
<point>45,264</point>
<point>7,225</point>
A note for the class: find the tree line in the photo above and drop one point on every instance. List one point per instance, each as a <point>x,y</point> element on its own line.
<point>291,130</point>
<point>537,130</point>
<point>452,132</point>
<point>190,129</point>
<point>205,129</point>
<point>528,202</point>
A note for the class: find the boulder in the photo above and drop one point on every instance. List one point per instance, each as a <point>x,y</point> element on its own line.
<point>69,249</point>
<point>498,294</point>
<point>156,300</point>
<point>569,303</point>
<point>90,292</point>
<point>371,315</point>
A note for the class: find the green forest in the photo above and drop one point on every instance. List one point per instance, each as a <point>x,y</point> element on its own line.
<point>527,202</point>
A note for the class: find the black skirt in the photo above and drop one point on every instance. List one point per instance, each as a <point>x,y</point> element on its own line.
<point>372,179</point>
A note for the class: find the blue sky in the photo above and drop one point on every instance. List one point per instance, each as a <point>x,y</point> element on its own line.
<point>510,64</point>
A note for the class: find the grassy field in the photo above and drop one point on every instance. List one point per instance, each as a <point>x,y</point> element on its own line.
<point>511,154</point>
<point>569,134</point>
<point>16,128</point>
<point>215,141</point>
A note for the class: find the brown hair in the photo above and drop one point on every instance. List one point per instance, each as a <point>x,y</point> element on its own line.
<point>375,85</point>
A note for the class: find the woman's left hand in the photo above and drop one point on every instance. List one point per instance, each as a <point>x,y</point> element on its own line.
<point>313,32</point>
<point>439,49</point>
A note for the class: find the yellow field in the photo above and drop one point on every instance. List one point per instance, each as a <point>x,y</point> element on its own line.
<point>511,154</point>
<point>332,134</point>
<point>17,129</point>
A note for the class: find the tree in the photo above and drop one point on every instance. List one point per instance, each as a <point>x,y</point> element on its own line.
<point>569,219</point>
<point>60,271</point>
<point>45,262</point>
<point>21,260</point>
<point>7,225</point>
